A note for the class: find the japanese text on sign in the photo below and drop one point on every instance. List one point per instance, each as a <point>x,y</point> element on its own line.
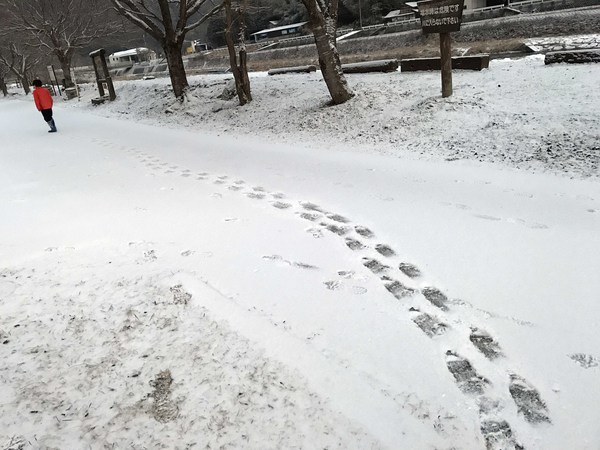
<point>440,22</point>
<point>441,16</point>
<point>434,11</point>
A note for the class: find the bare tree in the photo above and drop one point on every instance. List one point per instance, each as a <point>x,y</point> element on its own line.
<point>61,26</point>
<point>240,72</point>
<point>3,74</point>
<point>19,61</point>
<point>168,21</point>
<point>323,15</point>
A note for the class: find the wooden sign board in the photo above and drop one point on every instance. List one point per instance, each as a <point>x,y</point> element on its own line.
<point>52,74</point>
<point>441,16</point>
<point>102,76</point>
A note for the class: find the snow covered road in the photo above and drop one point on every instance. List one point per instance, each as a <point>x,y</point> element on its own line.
<point>169,287</point>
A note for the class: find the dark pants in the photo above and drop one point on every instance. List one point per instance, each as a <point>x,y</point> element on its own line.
<point>47,113</point>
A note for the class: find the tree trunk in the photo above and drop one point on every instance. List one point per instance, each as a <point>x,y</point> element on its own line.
<point>240,73</point>
<point>324,29</point>
<point>25,84</point>
<point>65,65</point>
<point>244,73</point>
<point>3,87</point>
<point>176,68</point>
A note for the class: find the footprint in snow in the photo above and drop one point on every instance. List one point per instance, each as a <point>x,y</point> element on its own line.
<point>430,325</point>
<point>339,230</point>
<point>255,195</point>
<point>537,226</point>
<point>338,285</point>
<point>585,361</point>
<point>384,250</point>
<point>498,435</point>
<point>311,207</point>
<point>300,265</point>
<point>467,379</point>
<point>355,245</point>
<point>317,233</point>
<point>528,400</point>
<point>332,285</point>
<point>364,231</point>
<point>396,288</point>
<point>347,274</point>
<point>485,343</point>
<point>409,270</point>
<point>281,205</point>
<point>337,218</point>
<point>435,297</point>
<point>486,217</point>
<point>374,266</point>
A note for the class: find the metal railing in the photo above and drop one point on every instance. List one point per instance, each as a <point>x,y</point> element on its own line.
<point>510,4</point>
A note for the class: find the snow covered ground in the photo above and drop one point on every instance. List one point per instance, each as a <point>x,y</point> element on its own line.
<point>288,276</point>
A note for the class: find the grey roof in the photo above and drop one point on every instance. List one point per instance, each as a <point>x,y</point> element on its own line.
<point>283,27</point>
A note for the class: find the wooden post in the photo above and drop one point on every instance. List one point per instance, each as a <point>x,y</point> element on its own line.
<point>98,76</point>
<point>446,60</point>
<point>102,74</point>
<point>443,17</point>
<point>108,79</point>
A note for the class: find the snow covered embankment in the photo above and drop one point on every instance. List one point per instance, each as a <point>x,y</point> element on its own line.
<point>519,113</point>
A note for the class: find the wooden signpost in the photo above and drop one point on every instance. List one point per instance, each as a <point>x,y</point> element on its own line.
<point>102,77</point>
<point>443,17</point>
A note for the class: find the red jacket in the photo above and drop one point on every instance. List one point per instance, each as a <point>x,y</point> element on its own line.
<point>42,98</point>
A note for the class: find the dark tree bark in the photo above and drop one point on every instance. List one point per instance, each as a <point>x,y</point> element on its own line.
<point>3,73</point>
<point>240,71</point>
<point>156,18</point>
<point>323,22</point>
<point>3,86</point>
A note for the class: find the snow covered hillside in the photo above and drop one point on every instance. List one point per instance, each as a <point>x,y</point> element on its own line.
<point>400,272</point>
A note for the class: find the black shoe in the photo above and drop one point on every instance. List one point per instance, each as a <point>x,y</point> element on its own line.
<point>52,126</point>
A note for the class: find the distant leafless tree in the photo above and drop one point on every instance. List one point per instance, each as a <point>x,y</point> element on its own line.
<point>323,15</point>
<point>3,73</point>
<point>61,27</point>
<point>20,61</point>
<point>236,15</point>
<point>168,22</point>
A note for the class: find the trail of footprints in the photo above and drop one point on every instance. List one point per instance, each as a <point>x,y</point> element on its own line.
<point>428,307</point>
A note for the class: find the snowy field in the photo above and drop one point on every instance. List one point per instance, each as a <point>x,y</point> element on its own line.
<point>399,272</point>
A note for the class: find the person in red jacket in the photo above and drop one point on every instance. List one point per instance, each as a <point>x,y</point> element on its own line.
<point>43,102</point>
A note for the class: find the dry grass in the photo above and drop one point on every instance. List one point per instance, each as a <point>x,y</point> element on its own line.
<point>400,52</point>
